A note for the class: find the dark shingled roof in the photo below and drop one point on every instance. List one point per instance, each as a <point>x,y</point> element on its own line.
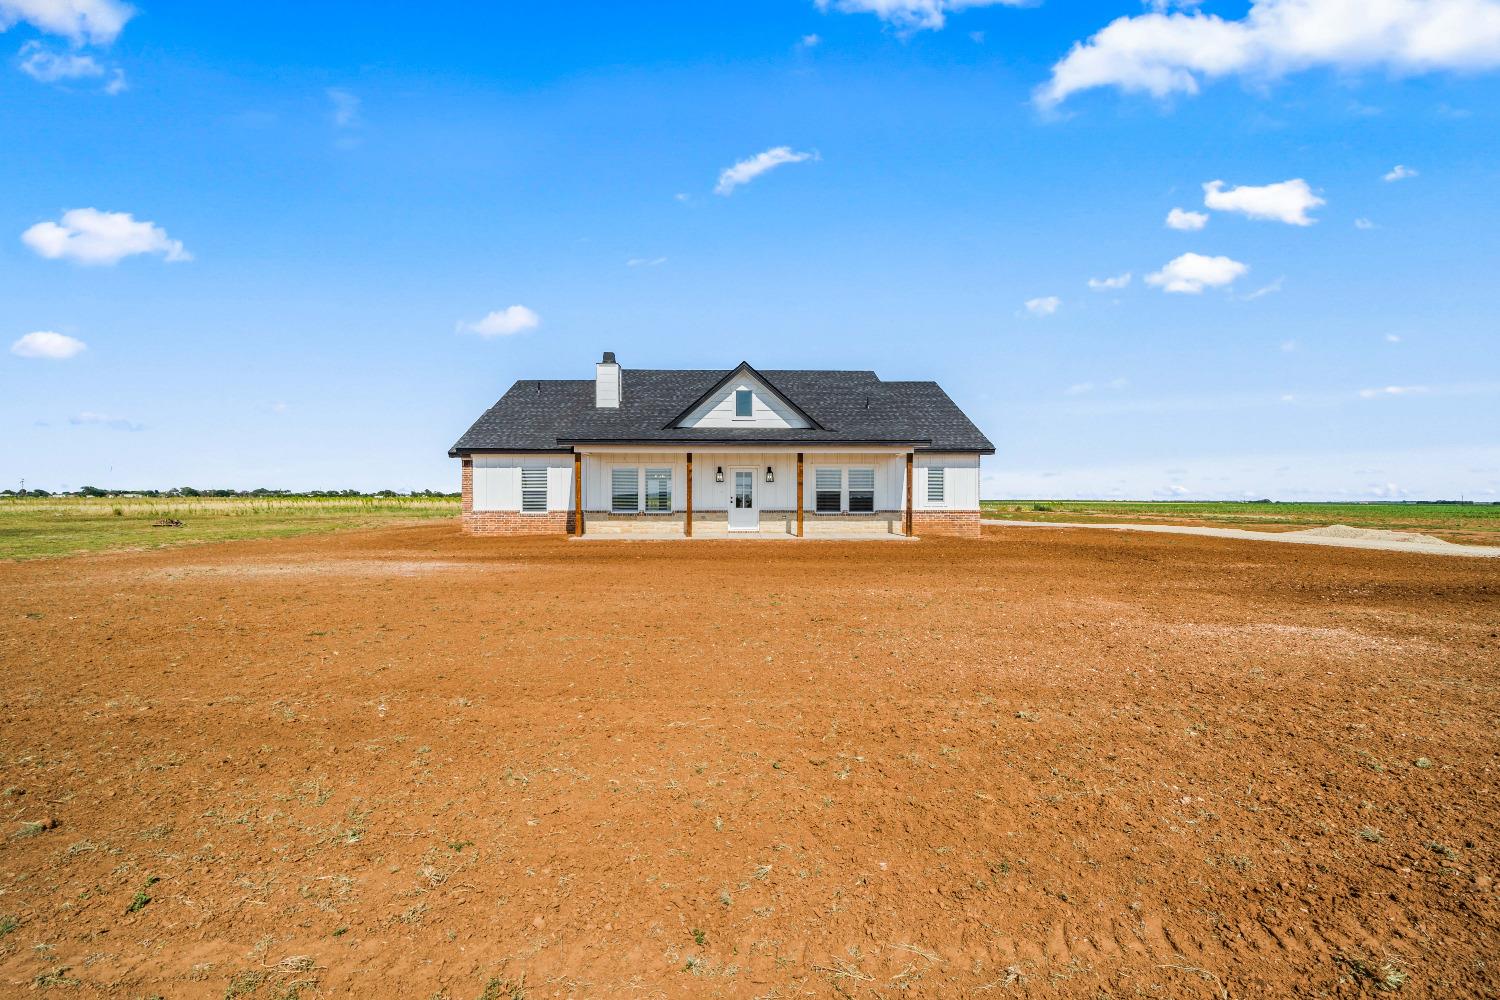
<point>847,407</point>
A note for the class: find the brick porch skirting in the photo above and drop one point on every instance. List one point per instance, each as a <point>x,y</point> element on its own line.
<point>963,523</point>
<point>510,522</point>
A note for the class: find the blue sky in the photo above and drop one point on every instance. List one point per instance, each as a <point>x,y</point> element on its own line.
<point>288,223</point>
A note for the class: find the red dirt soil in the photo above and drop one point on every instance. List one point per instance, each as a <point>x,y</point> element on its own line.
<point>1073,764</point>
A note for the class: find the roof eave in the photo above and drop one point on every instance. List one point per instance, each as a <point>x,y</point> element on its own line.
<point>714,442</point>
<point>460,452</point>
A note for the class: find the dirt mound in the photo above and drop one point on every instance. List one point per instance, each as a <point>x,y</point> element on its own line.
<point>1371,534</point>
<point>1044,764</point>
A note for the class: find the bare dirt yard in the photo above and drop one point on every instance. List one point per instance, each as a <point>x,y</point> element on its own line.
<point>1066,763</point>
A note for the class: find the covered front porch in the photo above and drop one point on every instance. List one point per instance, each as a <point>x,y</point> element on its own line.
<point>753,492</point>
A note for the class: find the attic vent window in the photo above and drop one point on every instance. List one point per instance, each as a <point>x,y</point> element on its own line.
<point>743,402</point>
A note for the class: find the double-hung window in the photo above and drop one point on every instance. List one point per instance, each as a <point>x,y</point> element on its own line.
<point>827,489</point>
<point>861,491</point>
<point>633,490</point>
<point>937,484</point>
<point>624,490</point>
<point>659,491</point>
<point>533,490</point>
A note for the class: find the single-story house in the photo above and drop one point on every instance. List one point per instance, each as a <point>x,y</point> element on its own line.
<point>717,453</point>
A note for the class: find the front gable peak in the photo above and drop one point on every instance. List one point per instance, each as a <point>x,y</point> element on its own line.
<point>744,398</point>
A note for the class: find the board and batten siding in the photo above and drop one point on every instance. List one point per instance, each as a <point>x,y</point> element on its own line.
<point>767,409</point>
<point>961,491</point>
<point>708,495</point>
<point>598,468</point>
<point>497,480</point>
<point>890,477</point>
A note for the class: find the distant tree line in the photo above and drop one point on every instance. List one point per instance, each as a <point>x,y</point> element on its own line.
<point>189,491</point>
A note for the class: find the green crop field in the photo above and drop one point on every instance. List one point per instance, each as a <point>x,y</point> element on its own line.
<point>1472,523</point>
<point>53,526</point>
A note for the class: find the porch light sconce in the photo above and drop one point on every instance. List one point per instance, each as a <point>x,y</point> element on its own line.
<point>719,474</point>
<point>770,476</point>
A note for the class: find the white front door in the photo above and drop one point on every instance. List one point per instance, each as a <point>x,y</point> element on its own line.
<point>743,514</point>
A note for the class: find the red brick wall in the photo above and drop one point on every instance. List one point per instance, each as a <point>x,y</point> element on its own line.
<point>512,522</point>
<point>964,523</point>
<point>507,522</point>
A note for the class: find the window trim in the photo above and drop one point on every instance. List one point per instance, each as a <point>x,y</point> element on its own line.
<point>546,489</point>
<point>640,471</point>
<point>942,479</point>
<point>671,471</point>
<point>839,470</point>
<point>749,396</point>
<point>843,489</point>
<point>635,471</point>
<point>849,488</point>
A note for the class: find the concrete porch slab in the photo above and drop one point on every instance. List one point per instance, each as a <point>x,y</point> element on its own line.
<point>718,532</point>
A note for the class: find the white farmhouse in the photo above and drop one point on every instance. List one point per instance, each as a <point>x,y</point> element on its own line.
<point>720,454</point>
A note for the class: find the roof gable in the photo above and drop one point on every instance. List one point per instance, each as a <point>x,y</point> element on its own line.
<point>770,407</point>
<point>841,407</point>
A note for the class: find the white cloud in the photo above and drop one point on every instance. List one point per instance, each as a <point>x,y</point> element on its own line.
<point>1391,338</point>
<point>1114,284</point>
<point>105,420</point>
<point>1363,223</point>
<point>49,345</point>
<point>41,63</point>
<point>1173,53</point>
<point>345,113</point>
<point>1191,273</point>
<point>1265,290</point>
<point>89,236</point>
<point>1393,390</point>
<point>810,41</point>
<point>911,15</point>
<point>1400,173</point>
<point>83,22</point>
<point>1288,201</point>
<point>1182,219</point>
<point>503,322</point>
<point>645,262</point>
<point>747,170</point>
<point>1043,306</point>
<point>46,66</point>
<point>683,197</point>
<point>1288,347</point>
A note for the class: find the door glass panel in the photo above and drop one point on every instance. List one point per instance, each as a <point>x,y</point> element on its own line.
<point>744,495</point>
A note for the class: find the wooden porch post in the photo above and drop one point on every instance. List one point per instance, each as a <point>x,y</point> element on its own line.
<point>578,494</point>
<point>908,493</point>
<point>687,526</point>
<point>799,494</point>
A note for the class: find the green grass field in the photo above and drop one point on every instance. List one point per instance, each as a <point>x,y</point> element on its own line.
<point>1473,523</point>
<point>32,528</point>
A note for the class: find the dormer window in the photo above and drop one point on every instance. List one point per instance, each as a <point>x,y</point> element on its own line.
<point>743,403</point>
